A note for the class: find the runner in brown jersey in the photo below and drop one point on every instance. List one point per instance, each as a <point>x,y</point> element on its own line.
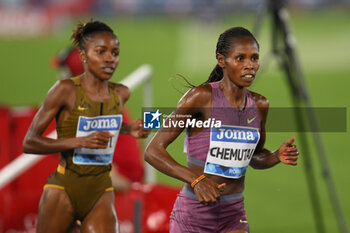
<point>87,110</point>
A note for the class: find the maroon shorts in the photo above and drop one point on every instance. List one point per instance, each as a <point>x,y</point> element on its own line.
<point>189,215</point>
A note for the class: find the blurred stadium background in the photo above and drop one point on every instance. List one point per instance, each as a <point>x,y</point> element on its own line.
<point>179,36</point>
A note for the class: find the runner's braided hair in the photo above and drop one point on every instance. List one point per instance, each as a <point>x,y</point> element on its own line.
<point>224,45</point>
<point>83,31</point>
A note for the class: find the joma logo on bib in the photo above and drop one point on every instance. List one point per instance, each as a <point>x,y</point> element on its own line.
<point>88,125</point>
<point>235,134</point>
<point>101,124</point>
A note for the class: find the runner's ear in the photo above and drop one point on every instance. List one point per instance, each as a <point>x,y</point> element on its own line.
<point>82,56</point>
<point>221,60</point>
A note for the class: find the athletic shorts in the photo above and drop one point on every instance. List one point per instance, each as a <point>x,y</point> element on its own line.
<point>190,216</point>
<point>83,190</point>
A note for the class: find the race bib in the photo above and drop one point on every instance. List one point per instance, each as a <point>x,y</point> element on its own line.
<point>230,151</point>
<point>89,125</point>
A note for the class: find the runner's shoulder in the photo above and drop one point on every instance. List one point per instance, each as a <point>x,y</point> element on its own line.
<point>63,88</point>
<point>260,100</point>
<point>198,96</point>
<point>121,90</point>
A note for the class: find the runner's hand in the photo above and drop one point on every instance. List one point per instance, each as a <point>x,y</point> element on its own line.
<point>208,191</point>
<point>97,140</point>
<point>137,131</point>
<point>288,153</point>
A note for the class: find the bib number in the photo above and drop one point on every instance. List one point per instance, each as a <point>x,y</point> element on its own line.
<point>89,125</point>
<point>230,151</point>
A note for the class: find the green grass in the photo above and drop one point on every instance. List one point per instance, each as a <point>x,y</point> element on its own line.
<point>277,199</point>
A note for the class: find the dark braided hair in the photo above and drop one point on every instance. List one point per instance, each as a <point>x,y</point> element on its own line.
<point>224,45</point>
<point>83,31</point>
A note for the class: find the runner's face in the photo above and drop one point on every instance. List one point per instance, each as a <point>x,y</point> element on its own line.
<point>102,55</point>
<point>242,62</point>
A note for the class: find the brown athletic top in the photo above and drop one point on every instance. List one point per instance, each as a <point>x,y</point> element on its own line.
<point>84,106</point>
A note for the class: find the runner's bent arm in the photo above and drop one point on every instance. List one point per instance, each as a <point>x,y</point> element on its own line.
<point>157,155</point>
<point>59,99</point>
<point>263,158</point>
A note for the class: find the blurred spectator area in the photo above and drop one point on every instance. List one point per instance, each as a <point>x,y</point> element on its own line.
<point>34,17</point>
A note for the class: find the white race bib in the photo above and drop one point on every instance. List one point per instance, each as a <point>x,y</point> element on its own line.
<point>230,151</point>
<point>89,125</point>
